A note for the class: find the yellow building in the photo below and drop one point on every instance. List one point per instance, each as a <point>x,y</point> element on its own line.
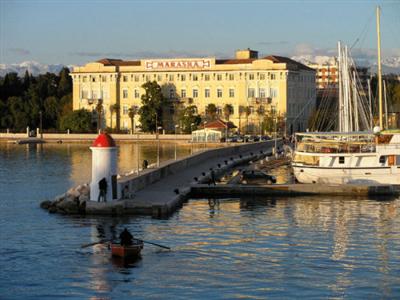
<point>245,81</point>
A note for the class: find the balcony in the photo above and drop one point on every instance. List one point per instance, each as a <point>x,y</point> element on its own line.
<point>260,100</point>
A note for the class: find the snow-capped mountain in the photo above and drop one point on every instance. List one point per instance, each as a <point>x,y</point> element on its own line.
<point>389,65</point>
<point>33,67</point>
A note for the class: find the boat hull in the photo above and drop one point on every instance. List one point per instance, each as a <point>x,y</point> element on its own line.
<point>375,175</point>
<point>126,251</point>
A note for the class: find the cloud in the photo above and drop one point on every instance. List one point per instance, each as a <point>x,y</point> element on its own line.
<point>19,51</point>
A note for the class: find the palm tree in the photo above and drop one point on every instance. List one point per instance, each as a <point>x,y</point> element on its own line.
<point>211,111</point>
<point>112,109</point>
<point>241,111</point>
<point>247,111</point>
<point>260,113</point>
<point>131,113</point>
<point>99,110</point>
<point>228,111</point>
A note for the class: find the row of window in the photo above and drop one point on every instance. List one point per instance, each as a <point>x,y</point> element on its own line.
<point>184,77</point>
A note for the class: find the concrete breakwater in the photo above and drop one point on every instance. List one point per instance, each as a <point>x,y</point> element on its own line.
<point>159,191</point>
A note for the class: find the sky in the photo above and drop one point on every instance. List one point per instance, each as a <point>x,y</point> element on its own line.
<point>75,32</point>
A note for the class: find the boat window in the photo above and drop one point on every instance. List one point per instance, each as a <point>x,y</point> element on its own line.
<point>382,159</point>
<point>341,159</point>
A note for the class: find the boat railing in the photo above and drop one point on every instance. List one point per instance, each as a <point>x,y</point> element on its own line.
<point>336,148</point>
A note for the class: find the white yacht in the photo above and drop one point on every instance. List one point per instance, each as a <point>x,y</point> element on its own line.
<point>340,158</point>
<point>350,155</point>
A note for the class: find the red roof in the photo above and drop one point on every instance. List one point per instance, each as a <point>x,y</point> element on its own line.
<point>219,124</point>
<point>104,140</point>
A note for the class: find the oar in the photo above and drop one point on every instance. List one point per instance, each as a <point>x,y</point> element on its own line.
<point>153,244</point>
<point>95,243</point>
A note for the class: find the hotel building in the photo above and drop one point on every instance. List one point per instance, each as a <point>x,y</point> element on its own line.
<point>244,81</point>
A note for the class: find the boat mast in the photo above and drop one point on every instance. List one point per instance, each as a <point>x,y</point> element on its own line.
<point>370,105</point>
<point>378,31</point>
<point>341,117</point>
<point>386,109</point>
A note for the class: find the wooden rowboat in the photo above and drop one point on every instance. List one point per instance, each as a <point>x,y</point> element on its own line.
<point>127,251</point>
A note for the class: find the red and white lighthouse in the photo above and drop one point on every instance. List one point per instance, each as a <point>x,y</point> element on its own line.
<point>104,165</point>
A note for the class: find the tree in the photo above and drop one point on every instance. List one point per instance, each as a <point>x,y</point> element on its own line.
<point>18,110</point>
<point>99,112</point>
<point>77,121</point>
<point>133,110</point>
<point>65,83</point>
<point>228,111</point>
<point>187,117</point>
<point>260,113</point>
<point>51,112</point>
<point>247,111</point>
<point>152,105</point>
<point>241,111</point>
<point>211,111</point>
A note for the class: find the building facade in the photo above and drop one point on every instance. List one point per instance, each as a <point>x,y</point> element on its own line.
<point>253,86</point>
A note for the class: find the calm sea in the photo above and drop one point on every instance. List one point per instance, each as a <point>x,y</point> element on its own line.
<point>257,248</point>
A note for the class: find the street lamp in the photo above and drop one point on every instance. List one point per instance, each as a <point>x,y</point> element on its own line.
<point>275,120</point>
<point>176,127</point>
<point>137,153</point>
<point>158,147</point>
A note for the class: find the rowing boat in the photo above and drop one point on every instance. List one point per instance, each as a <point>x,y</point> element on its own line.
<point>127,251</point>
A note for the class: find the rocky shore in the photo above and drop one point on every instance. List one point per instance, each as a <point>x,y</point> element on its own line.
<point>72,202</point>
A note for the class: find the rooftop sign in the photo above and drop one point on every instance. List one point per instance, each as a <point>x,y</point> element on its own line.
<point>177,64</point>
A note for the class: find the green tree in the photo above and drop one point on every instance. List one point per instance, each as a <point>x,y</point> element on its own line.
<point>18,110</point>
<point>247,111</point>
<point>77,121</point>
<point>187,117</point>
<point>51,112</point>
<point>152,105</point>
<point>64,83</point>
<point>211,112</point>
<point>99,111</point>
<point>228,111</point>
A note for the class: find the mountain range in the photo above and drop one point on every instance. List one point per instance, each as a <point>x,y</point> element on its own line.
<point>389,65</point>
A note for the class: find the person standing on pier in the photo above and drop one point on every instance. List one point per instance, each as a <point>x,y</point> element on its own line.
<point>103,190</point>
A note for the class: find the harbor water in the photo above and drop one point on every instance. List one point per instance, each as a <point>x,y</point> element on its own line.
<point>257,248</point>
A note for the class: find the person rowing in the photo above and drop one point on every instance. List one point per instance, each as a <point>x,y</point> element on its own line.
<point>126,238</point>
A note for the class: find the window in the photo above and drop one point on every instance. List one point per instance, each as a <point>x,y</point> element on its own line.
<point>159,77</point>
<point>171,93</point>
<point>273,92</point>
<point>147,77</point>
<point>273,77</point>
<point>219,93</point>
<point>207,93</point>
<point>137,94</point>
<point>84,94</point>
<point>382,159</point>
<point>219,110</point>
<point>261,93</point>
<point>231,77</point>
<point>183,93</point>
<point>341,159</point>
<point>251,76</point>
<point>195,77</point>
<point>93,79</point>
<point>136,78</point>
<point>251,93</point>
<point>125,94</point>
<point>219,77</point>
<point>262,76</point>
<point>183,77</point>
<point>207,77</point>
<point>195,93</point>
<point>124,78</point>
<point>103,78</point>
<point>171,77</point>
<point>84,79</point>
<point>125,109</point>
<point>231,93</point>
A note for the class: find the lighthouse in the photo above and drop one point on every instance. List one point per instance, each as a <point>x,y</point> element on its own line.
<point>104,165</point>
